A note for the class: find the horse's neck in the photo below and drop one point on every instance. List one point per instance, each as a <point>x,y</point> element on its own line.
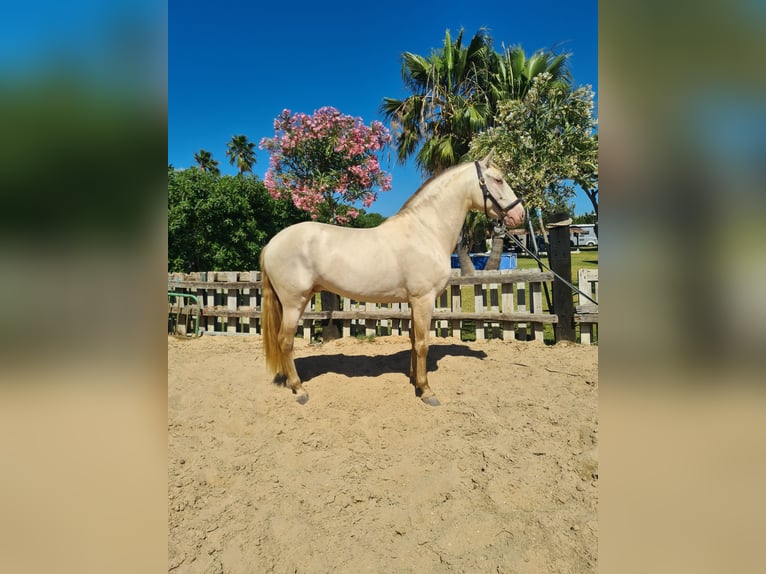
<point>441,210</point>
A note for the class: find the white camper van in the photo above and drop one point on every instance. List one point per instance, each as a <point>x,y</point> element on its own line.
<point>585,239</point>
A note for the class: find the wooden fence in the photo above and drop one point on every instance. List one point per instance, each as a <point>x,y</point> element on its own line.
<point>505,304</point>
<point>586,313</point>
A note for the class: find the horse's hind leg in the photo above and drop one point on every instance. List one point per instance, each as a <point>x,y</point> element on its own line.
<point>290,317</point>
<point>413,355</point>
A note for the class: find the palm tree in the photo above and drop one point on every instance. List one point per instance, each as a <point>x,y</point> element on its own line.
<point>511,72</point>
<point>448,102</point>
<point>241,152</point>
<point>206,162</point>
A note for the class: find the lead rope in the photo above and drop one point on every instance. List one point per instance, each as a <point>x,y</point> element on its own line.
<point>539,261</point>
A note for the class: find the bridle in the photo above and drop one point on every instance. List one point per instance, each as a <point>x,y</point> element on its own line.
<point>487,195</point>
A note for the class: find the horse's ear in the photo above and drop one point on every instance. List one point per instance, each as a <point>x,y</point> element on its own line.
<point>486,160</point>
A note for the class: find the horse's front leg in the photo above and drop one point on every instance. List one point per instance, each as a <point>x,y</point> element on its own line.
<point>422,310</point>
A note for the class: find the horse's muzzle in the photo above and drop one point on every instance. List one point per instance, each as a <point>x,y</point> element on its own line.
<point>515,216</point>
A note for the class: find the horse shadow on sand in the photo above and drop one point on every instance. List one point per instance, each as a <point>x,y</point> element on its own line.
<point>376,365</point>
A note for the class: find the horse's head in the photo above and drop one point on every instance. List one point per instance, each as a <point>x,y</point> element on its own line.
<point>498,199</point>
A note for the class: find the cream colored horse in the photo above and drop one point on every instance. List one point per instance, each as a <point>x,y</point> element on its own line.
<point>406,258</point>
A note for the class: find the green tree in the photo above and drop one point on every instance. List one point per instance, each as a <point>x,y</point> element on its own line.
<point>221,223</point>
<point>206,162</point>
<point>326,162</point>
<point>365,219</point>
<point>584,218</point>
<point>512,72</point>
<point>545,143</point>
<point>242,153</point>
<point>448,103</point>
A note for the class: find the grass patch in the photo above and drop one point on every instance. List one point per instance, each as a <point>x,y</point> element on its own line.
<point>587,258</point>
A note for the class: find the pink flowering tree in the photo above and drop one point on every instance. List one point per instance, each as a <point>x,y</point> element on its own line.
<point>327,163</point>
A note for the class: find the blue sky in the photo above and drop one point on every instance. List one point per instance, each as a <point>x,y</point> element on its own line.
<point>234,65</point>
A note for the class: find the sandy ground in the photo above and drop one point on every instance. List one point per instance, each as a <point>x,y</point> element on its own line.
<point>502,478</point>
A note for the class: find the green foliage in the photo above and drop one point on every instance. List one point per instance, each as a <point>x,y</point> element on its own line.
<point>365,219</point>
<point>241,153</point>
<point>586,218</point>
<point>221,223</point>
<point>512,72</point>
<point>544,142</point>
<point>206,162</point>
<point>448,103</point>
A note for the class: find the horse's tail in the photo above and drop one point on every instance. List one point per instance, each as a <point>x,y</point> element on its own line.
<point>271,320</point>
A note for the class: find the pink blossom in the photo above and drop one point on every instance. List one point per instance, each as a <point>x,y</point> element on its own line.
<point>324,154</point>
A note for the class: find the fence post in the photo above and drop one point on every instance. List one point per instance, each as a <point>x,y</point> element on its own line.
<point>506,301</point>
<point>536,306</point>
<point>478,298</point>
<point>210,320</point>
<point>457,307</point>
<point>346,323</point>
<point>231,302</point>
<point>406,323</point>
<point>521,305</point>
<point>369,324</point>
<point>560,255</point>
<point>330,302</point>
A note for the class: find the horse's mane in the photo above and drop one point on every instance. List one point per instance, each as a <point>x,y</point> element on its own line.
<point>422,194</point>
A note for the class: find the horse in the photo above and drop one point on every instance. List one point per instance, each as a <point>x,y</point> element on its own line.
<point>405,258</point>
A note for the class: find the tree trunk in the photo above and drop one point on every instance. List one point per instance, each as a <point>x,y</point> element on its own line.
<point>542,227</point>
<point>466,265</point>
<point>495,255</point>
<point>330,302</point>
<point>463,249</point>
<point>592,195</point>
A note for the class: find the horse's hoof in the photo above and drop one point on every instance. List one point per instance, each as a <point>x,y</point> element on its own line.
<point>431,401</point>
<point>302,398</point>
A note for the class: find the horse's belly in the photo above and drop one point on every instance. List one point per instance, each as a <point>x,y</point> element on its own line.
<point>382,281</point>
<point>363,286</point>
